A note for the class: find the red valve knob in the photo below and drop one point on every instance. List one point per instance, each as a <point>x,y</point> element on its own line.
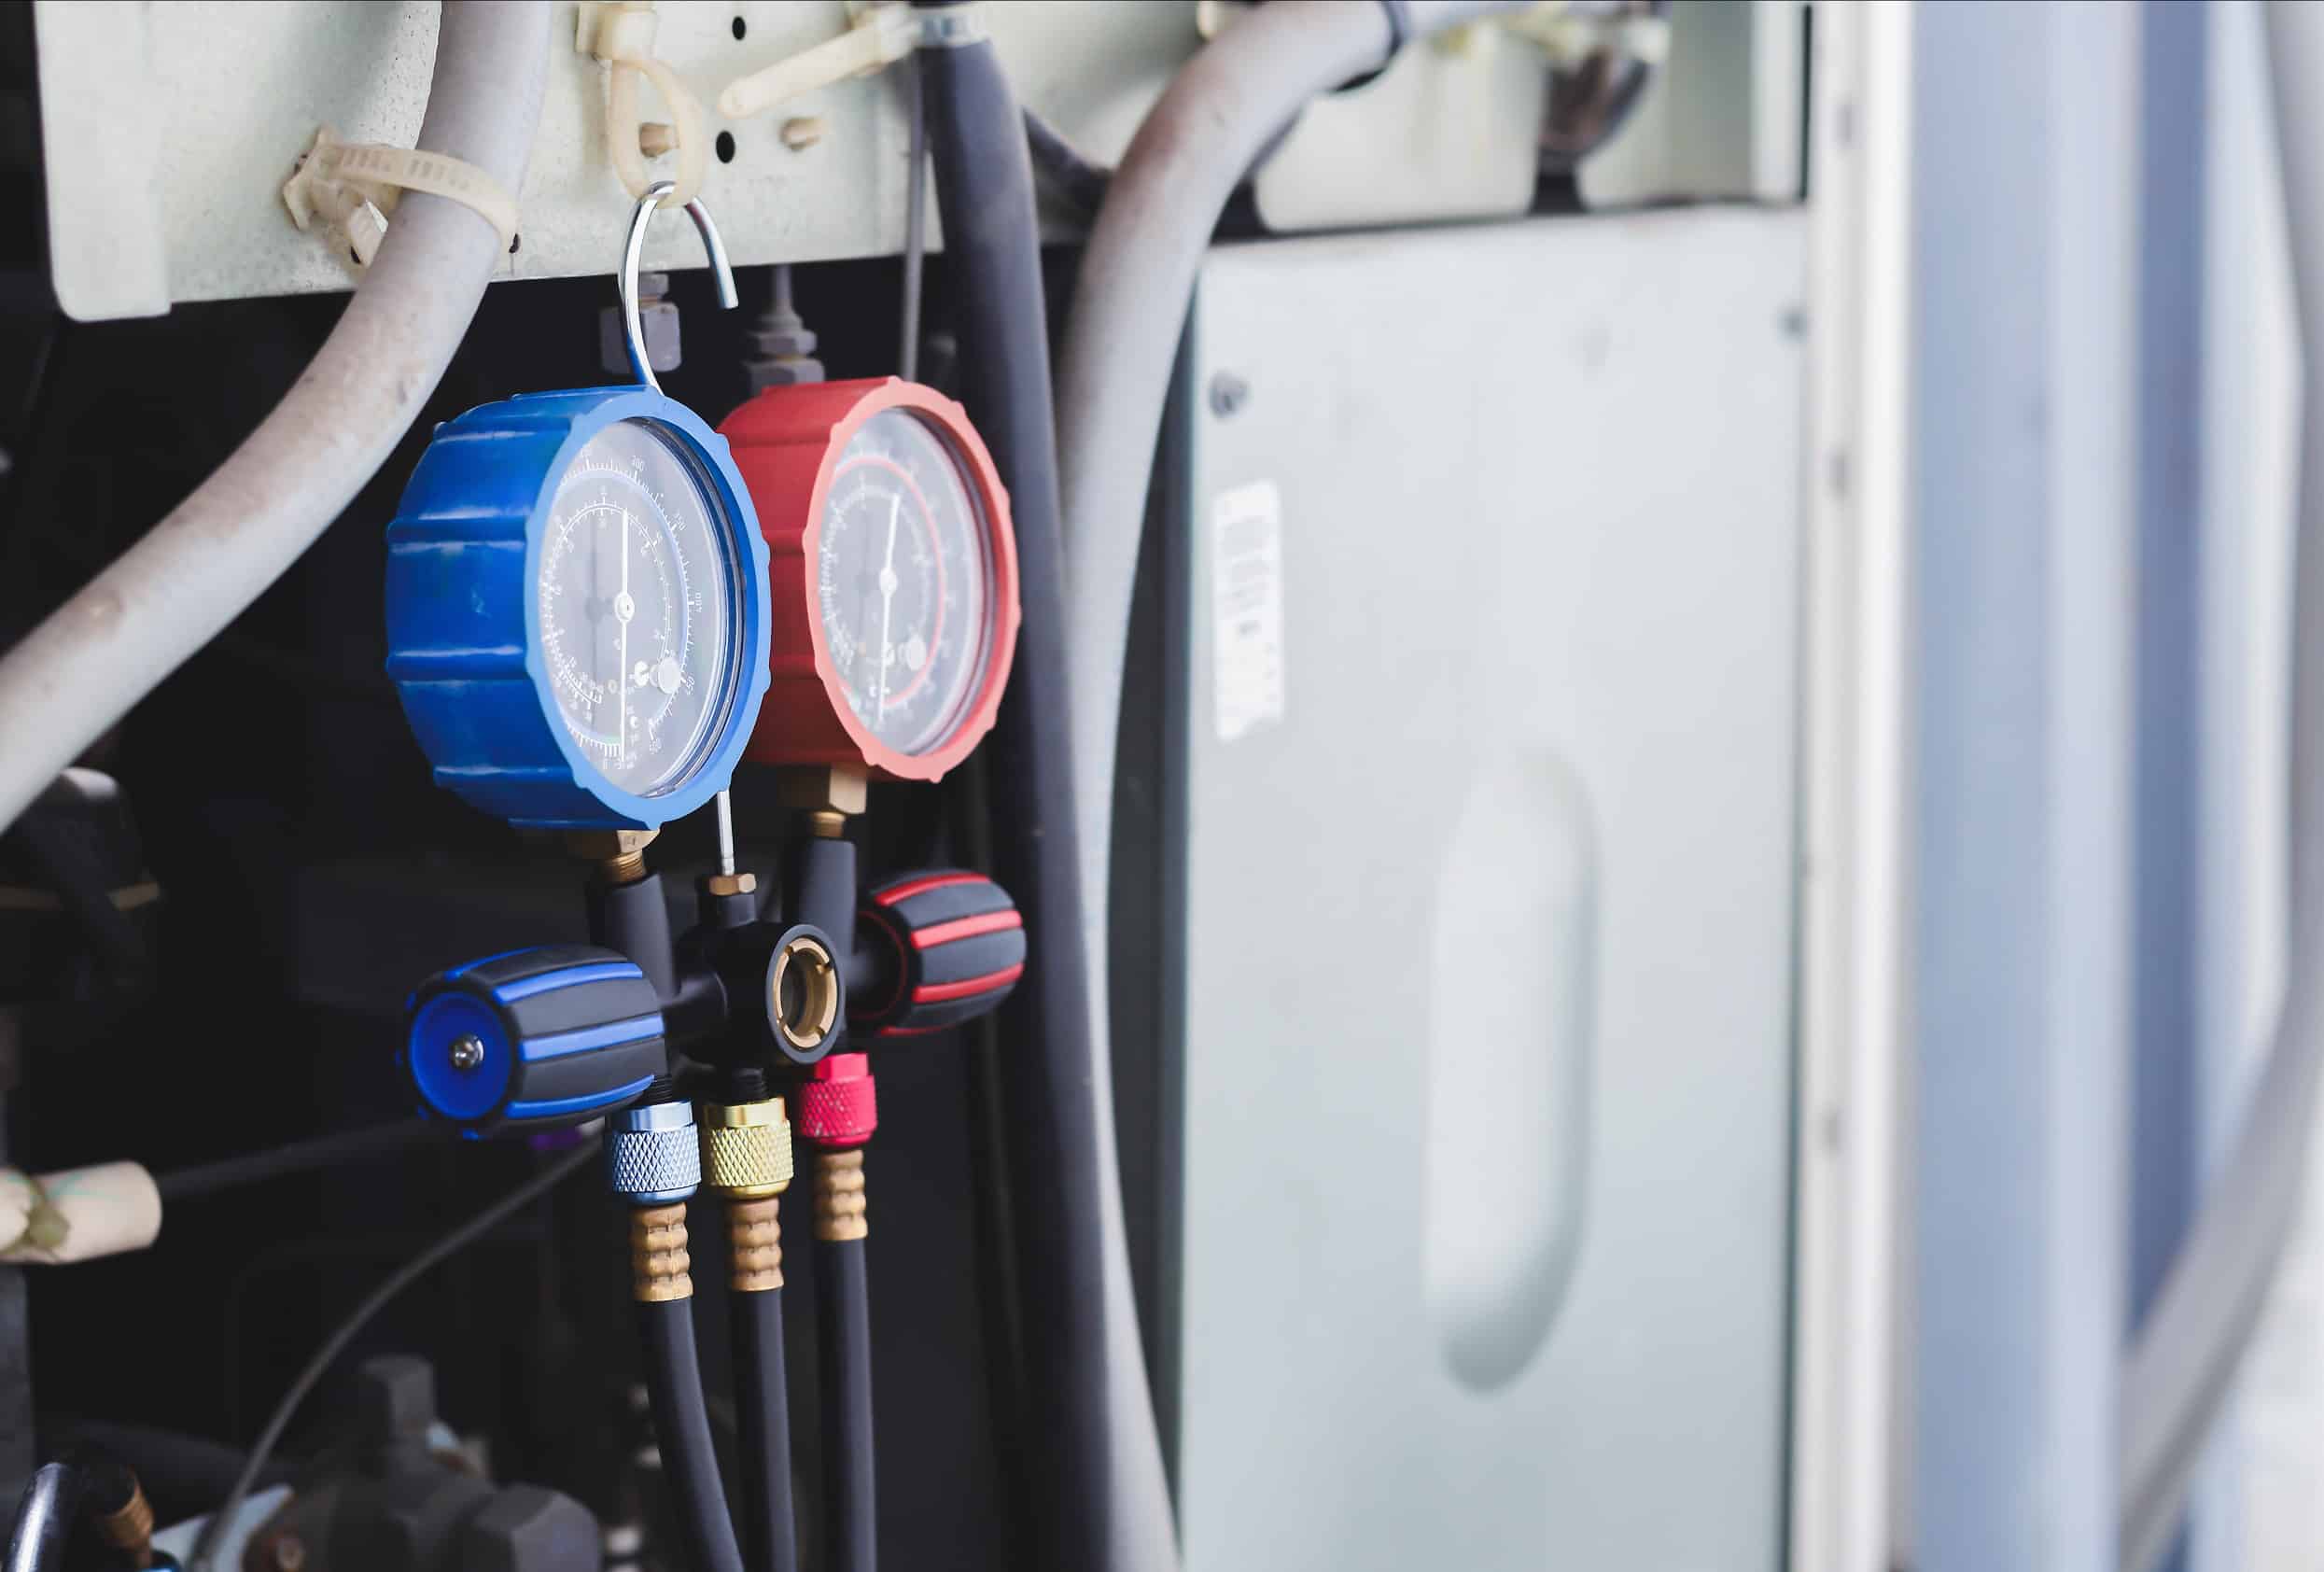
<point>933,950</point>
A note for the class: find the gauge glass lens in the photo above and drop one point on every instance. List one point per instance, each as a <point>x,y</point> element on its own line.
<point>903,583</point>
<point>637,602</point>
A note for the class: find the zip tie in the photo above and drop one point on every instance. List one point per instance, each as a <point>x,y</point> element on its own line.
<point>79,1214</point>
<point>618,35</point>
<point>354,185</point>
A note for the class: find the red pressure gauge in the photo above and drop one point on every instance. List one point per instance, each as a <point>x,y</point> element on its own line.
<point>893,570</point>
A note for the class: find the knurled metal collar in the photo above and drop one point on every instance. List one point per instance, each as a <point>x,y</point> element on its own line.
<point>653,1157</point>
<point>746,1148</point>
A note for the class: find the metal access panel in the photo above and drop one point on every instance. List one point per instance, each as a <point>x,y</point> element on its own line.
<point>1490,711</point>
<point>168,131</point>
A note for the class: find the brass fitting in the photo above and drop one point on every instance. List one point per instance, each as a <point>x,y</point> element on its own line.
<point>824,789</point>
<point>620,855</point>
<point>658,1263</point>
<point>731,884</point>
<point>746,1148</point>
<point>803,993</point>
<point>754,1245</point>
<point>129,1527</point>
<point>839,1204</point>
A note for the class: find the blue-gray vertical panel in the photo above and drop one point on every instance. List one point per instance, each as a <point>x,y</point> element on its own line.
<point>2024,335</point>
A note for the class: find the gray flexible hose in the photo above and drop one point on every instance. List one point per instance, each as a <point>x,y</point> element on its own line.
<point>2186,1354</point>
<point>1130,306</point>
<point>84,668</point>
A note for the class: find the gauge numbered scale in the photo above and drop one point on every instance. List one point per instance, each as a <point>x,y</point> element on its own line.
<point>894,575</point>
<point>577,616</point>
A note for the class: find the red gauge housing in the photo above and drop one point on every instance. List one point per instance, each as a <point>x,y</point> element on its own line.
<point>795,448</point>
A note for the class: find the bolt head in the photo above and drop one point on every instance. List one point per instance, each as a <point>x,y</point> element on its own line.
<point>395,1399</point>
<point>468,1053</point>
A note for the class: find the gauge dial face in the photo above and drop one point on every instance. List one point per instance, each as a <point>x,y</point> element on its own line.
<point>905,583</point>
<point>636,606</point>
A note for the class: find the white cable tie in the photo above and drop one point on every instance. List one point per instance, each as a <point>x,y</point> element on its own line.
<point>354,185</point>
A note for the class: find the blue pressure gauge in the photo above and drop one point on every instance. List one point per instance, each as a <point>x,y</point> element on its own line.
<point>578,610</point>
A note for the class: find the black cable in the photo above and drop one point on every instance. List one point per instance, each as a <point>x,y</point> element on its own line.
<point>984,195</point>
<point>205,1547</point>
<point>681,1429</point>
<point>337,1150</point>
<point>915,232</point>
<point>44,1519</point>
<point>843,1355</point>
<point>770,1527</point>
<point>1080,182</point>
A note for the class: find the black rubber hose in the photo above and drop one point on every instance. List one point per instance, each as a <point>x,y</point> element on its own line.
<point>337,1150</point>
<point>844,1357</point>
<point>682,1429</point>
<point>182,1475</point>
<point>44,1519</point>
<point>984,195</point>
<point>770,1530</point>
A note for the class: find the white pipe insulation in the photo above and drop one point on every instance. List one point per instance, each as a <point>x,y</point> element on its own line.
<point>2186,1354</point>
<point>1137,281</point>
<point>90,663</point>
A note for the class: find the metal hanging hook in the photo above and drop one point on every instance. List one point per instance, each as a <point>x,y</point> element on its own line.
<point>632,327</point>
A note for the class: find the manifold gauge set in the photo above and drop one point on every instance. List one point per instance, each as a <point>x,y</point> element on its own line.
<point>597,605</point>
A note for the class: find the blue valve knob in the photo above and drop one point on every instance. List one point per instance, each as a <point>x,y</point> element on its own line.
<point>534,1039</point>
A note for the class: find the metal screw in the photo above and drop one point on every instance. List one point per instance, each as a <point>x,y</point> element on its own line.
<point>1229,393</point>
<point>291,1553</point>
<point>468,1052</point>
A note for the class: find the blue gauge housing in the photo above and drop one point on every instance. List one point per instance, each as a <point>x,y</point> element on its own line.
<point>463,629</point>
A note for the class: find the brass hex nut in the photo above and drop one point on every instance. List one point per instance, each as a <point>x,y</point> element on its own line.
<point>604,846</point>
<point>731,884</point>
<point>826,788</point>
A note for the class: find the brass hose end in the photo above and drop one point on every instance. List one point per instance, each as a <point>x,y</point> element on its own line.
<point>129,1527</point>
<point>754,1245</point>
<point>658,1263</point>
<point>839,1204</point>
<point>746,1148</point>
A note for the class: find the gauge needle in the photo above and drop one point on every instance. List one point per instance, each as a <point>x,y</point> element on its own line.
<point>622,607</point>
<point>886,606</point>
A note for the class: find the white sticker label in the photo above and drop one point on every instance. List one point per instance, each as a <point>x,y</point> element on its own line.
<point>1247,607</point>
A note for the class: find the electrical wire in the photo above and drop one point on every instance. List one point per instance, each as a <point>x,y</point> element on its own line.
<point>214,1532</point>
<point>682,1430</point>
<point>915,229</point>
<point>843,1306</point>
<point>341,1149</point>
<point>763,1425</point>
